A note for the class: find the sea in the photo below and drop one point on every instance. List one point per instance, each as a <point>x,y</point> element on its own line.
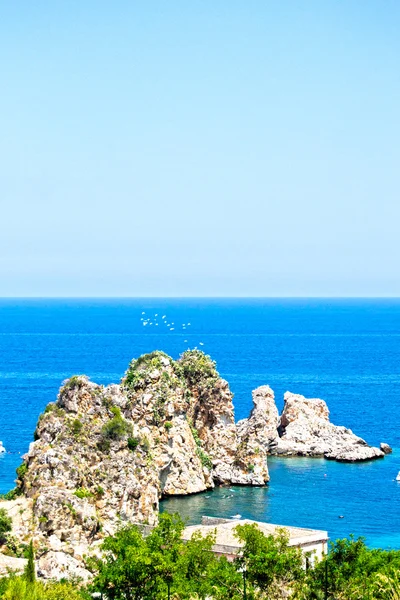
<point>346,351</point>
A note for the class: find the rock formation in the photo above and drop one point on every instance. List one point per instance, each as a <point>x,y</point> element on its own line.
<point>305,430</point>
<point>2,449</point>
<point>103,456</point>
<point>386,449</point>
<point>258,434</point>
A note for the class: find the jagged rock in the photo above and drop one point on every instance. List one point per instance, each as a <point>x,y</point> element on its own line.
<point>386,449</point>
<point>59,565</point>
<point>259,434</point>
<point>2,449</point>
<point>305,430</point>
<point>11,564</point>
<point>103,456</point>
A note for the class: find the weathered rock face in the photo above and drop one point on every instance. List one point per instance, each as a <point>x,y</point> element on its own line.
<point>103,456</point>
<point>258,434</point>
<point>305,430</point>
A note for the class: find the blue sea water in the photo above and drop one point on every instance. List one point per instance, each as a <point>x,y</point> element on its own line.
<point>345,351</point>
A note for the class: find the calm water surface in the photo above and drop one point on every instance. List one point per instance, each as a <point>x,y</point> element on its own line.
<point>347,352</point>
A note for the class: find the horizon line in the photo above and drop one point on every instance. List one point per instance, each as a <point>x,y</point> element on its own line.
<point>193,297</point>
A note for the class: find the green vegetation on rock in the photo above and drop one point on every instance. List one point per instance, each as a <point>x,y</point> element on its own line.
<point>5,524</point>
<point>198,367</point>
<point>83,493</point>
<point>138,371</point>
<point>11,494</point>
<point>117,428</point>
<point>133,443</point>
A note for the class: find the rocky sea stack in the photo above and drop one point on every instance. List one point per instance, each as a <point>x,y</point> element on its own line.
<point>104,456</point>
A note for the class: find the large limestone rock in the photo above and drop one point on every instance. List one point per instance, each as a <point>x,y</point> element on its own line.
<point>305,430</point>
<point>103,456</point>
<point>259,434</point>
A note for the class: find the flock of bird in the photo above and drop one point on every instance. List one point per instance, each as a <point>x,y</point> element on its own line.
<point>156,320</point>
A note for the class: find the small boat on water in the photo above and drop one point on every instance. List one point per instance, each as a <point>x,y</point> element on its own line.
<point>398,476</point>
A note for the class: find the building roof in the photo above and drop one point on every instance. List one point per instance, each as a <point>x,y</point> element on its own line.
<point>226,542</point>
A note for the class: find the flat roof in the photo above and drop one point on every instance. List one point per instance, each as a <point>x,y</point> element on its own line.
<point>225,532</point>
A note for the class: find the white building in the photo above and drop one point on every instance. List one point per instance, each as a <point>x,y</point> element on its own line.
<point>311,541</point>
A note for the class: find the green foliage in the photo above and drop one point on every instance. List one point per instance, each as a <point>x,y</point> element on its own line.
<point>76,382</point>
<point>117,428</point>
<point>100,491</point>
<point>83,493</point>
<point>269,561</point>
<point>144,568</point>
<point>11,495</point>
<point>18,588</point>
<point>104,445</point>
<point>204,458</point>
<point>355,571</point>
<point>52,407</point>
<point>5,524</point>
<point>76,427</point>
<point>71,508</point>
<point>145,444</point>
<point>138,371</point>
<point>168,425</point>
<point>250,468</point>
<point>133,443</point>
<point>198,367</point>
<point>21,471</point>
<point>30,570</point>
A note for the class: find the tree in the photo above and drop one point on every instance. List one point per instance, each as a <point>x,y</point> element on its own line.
<point>268,561</point>
<point>5,524</point>
<point>30,570</point>
<point>135,567</point>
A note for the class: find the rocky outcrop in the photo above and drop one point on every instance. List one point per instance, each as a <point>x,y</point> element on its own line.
<point>258,434</point>
<point>386,449</point>
<point>305,430</point>
<point>2,449</point>
<point>103,456</point>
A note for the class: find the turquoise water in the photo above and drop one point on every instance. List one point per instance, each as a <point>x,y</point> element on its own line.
<point>347,352</point>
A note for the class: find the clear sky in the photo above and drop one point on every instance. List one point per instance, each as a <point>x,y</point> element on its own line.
<point>200,148</point>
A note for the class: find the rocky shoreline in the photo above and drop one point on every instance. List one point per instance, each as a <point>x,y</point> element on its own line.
<point>103,456</point>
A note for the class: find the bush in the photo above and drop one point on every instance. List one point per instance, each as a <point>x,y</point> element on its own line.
<point>74,382</point>
<point>104,445</point>
<point>21,471</point>
<point>135,376</point>
<point>198,367</point>
<point>168,425</point>
<point>117,428</point>
<point>133,443</point>
<point>76,427</point>
<point>5,524</point>
<point>11,495</point>
<point>83,493</point>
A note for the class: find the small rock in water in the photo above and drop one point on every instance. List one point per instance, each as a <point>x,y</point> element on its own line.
<point>2,449</point>
<point>386,449</point>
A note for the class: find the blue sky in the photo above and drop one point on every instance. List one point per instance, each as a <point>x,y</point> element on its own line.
<point>200,148</point>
